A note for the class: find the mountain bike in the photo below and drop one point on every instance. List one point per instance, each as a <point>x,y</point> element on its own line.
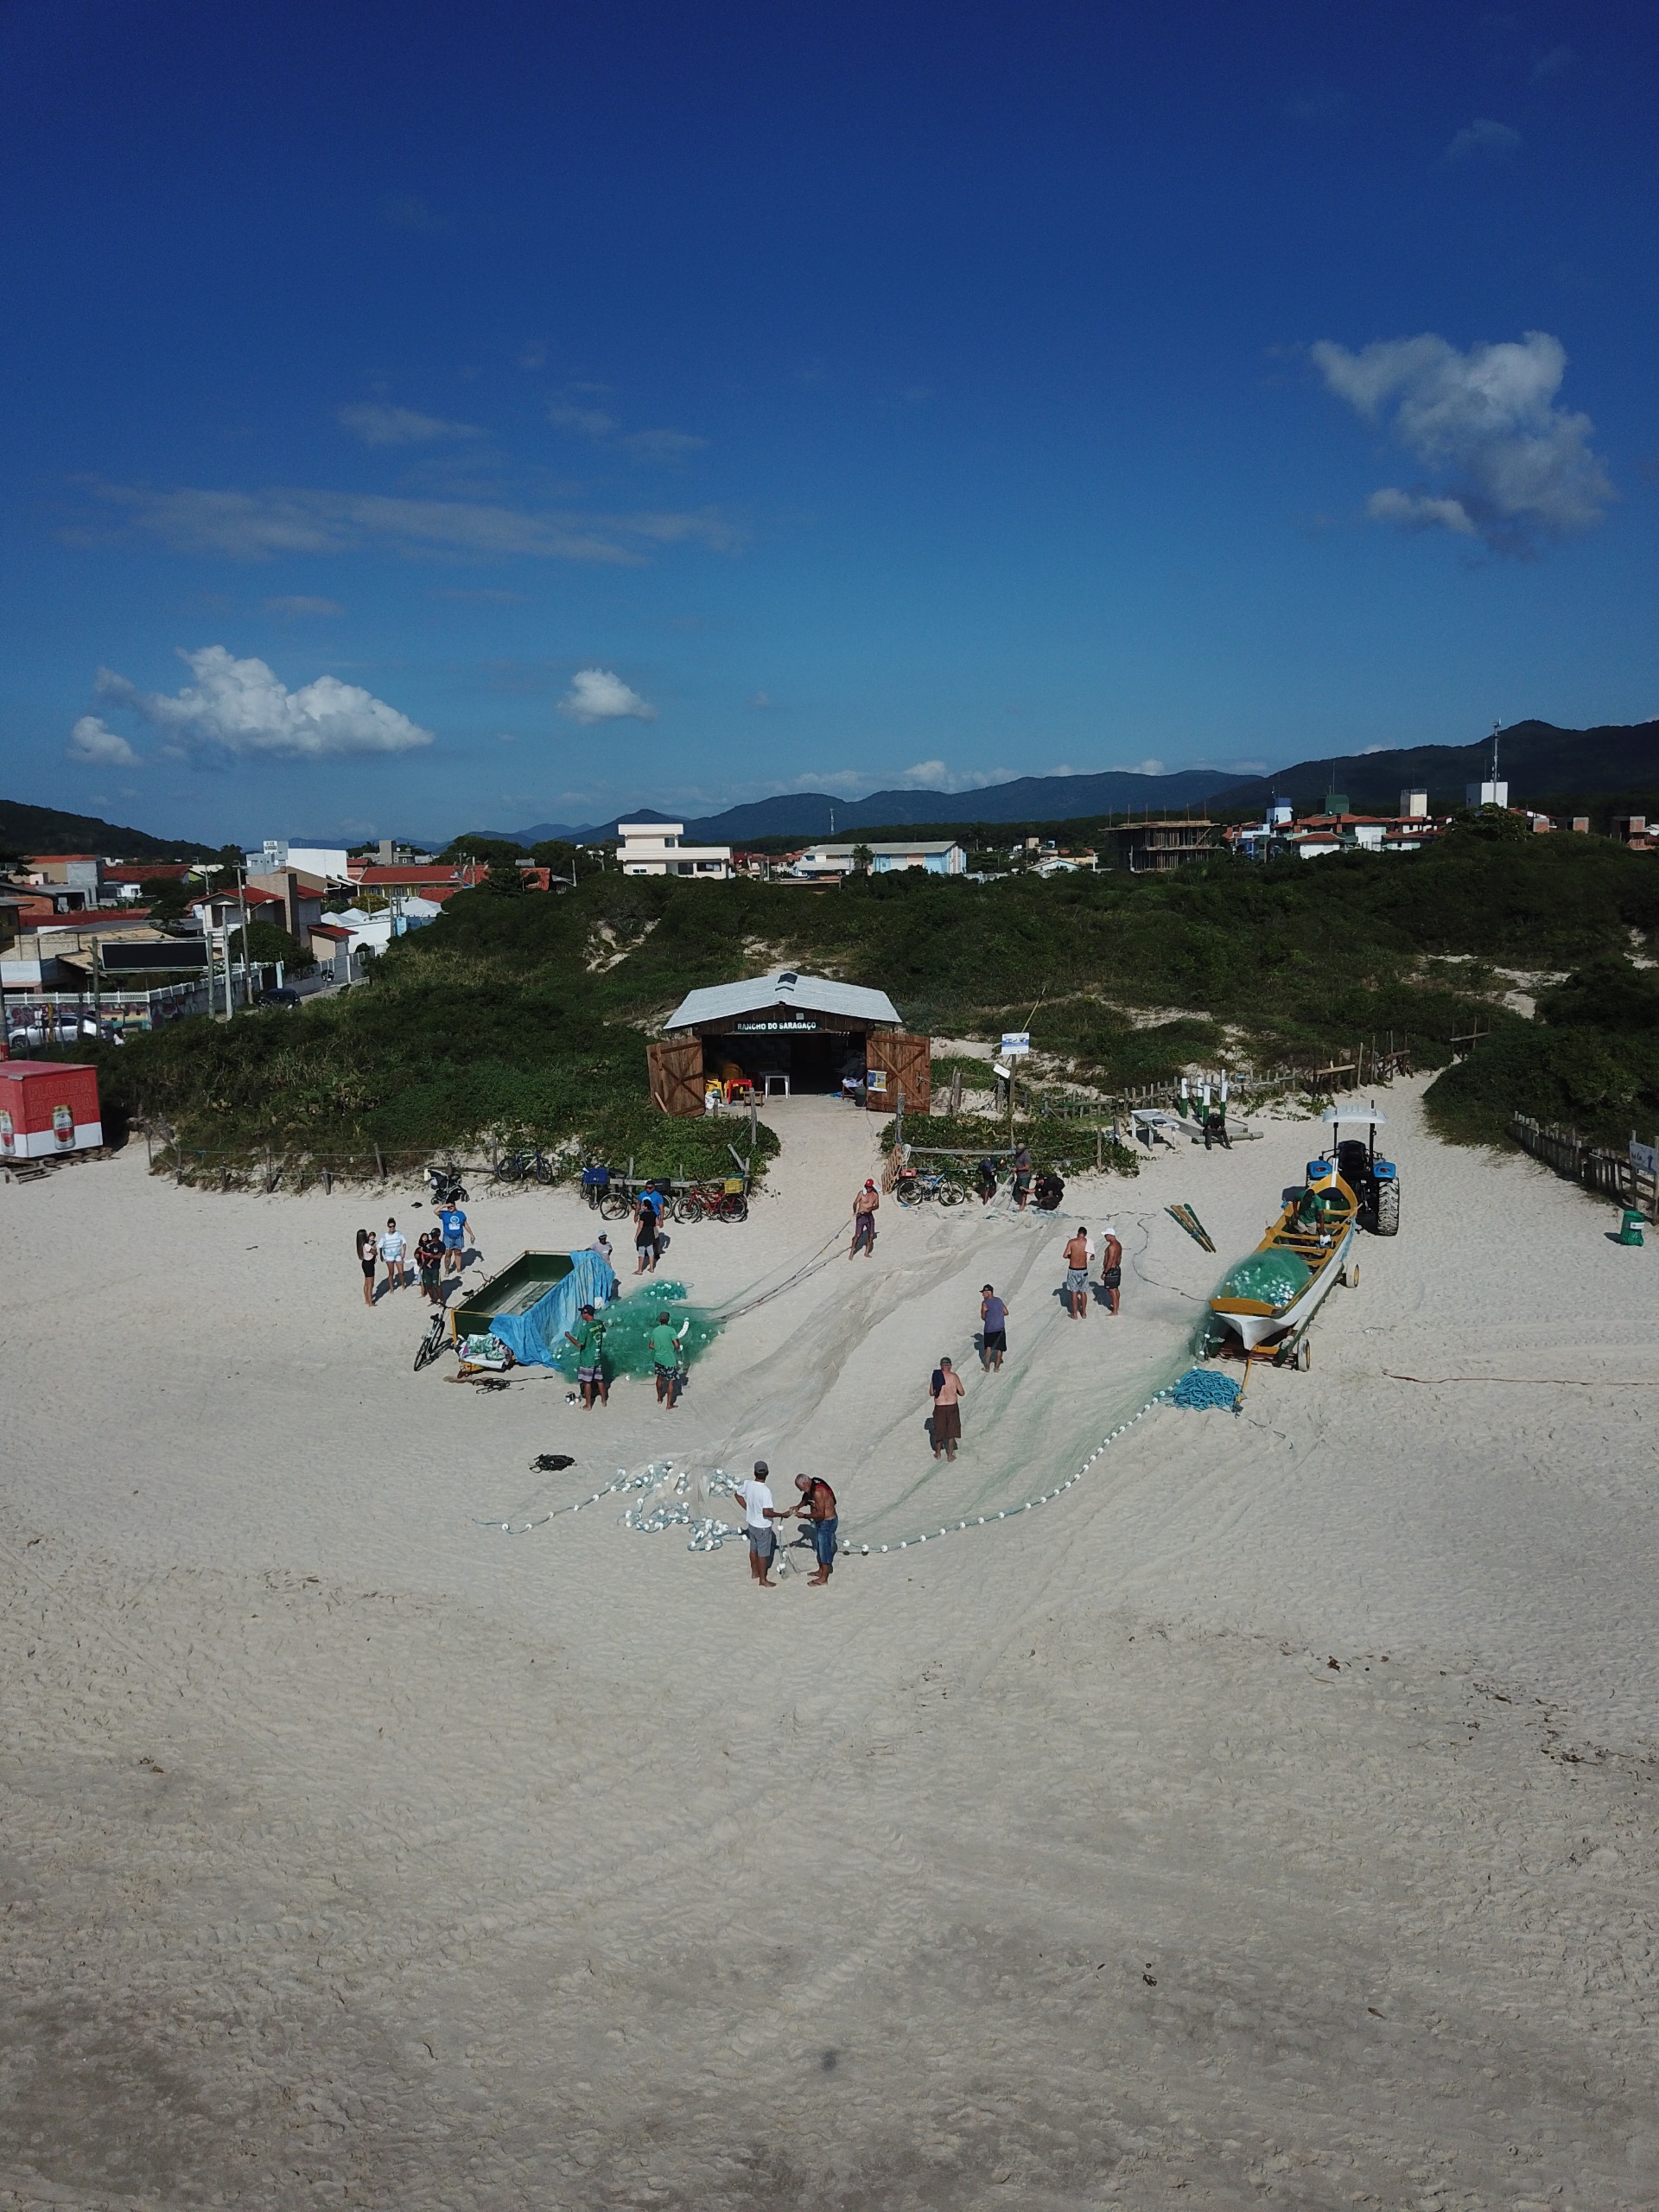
<point>524,1167</point>
<point>916,1185</point>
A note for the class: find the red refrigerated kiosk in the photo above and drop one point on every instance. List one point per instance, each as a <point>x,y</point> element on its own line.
<point>48,1108</point>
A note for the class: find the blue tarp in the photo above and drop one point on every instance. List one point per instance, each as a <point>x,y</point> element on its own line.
<point>534,1337</point>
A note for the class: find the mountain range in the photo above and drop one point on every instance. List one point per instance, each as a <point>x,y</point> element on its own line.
<point>1544,767</point>
<point>1538,761</point>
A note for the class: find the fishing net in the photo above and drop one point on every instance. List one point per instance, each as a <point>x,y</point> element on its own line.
<point>1271,1278</point>
<point>628,1323</point>
<point>1201,1386</point>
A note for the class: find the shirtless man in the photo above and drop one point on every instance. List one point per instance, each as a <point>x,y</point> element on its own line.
<point>1079,1253</point>
<point>818,1506</point>
<point>1111,1267</point>
<point>864,1206</point>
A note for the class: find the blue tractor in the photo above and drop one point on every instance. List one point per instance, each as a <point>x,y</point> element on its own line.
<point>1374,1181</point>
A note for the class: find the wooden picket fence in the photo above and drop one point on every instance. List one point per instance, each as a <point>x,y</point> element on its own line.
<point>1365,1063</point>
<point>1595,1167</point>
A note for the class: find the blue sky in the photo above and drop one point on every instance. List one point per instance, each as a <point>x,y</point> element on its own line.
<point>423,416</point>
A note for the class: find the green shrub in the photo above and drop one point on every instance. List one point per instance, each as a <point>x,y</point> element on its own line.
<point>499,1018</point>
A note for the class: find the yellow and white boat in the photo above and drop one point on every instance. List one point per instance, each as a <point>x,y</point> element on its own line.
<point>1275,1291</point>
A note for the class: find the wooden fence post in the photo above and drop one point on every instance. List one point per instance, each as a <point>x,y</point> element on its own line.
<point>379,1161</point>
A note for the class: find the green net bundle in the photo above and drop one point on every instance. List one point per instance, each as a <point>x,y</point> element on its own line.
<point>1271,1278</point>
<point>629,1321</point>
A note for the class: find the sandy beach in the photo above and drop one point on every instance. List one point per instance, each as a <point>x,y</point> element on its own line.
<point>1268,1818</point>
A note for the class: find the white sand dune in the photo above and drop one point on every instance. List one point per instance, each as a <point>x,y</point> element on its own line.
<point>1268,1819</point>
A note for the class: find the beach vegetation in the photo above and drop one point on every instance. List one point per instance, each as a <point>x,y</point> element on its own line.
<point>500,1017</point>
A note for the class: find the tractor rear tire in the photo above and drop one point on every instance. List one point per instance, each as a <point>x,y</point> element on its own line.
<point>1388,1210</point>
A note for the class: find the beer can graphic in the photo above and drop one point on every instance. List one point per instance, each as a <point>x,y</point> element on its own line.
<point>7,1134</point>
<point>63,1124</point>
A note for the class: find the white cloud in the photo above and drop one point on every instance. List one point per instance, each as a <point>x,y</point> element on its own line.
<point>662,445</point>
<point>934,776</point>
<point>91,740</point>
<point>1419,511</point>
<point>300,604</point>
<point>597,695</point>
<point>377,425</point>
<point>587,422</point>
<point>254,525</point>
<point>241,707</point>
<point>603,429</point>
<point>1483,140</point>
<point>1552,63</point>
<point>760,703</point>
<point>1520,467</point>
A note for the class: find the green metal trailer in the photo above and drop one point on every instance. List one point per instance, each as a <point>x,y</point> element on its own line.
<point>515,1290</point>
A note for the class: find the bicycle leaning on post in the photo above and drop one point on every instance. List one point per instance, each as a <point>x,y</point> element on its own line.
<point>715,1198</point>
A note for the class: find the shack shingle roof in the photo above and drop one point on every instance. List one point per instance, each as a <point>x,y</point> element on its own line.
<point>811,994</point>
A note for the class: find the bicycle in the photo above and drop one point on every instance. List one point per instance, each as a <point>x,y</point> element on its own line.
<point>615,1200</point>
<point>915,1186</point>
<point>524,1167</point>
<point>431,1343</point>
<point>719,1198</point>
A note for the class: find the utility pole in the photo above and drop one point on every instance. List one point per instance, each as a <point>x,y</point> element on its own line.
<point>208,870</point>
<point>247,981</point>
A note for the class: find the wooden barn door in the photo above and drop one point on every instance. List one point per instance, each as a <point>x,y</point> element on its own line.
<point>675,1066</point>
<point>906,1062</point>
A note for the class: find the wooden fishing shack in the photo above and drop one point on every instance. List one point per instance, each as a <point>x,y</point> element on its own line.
<point>786,1035</point>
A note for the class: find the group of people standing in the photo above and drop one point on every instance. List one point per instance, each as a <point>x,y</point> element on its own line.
<point>1079,1255</point>
<point>761,1514</point>
<point>440,1251</point>
<point>665,1342</point>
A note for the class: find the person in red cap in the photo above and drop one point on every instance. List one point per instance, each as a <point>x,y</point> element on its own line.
<point>864,1206</point>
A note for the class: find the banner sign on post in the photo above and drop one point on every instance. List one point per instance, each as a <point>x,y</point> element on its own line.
<point>1644,1157</point>
<point>1016,1041</point>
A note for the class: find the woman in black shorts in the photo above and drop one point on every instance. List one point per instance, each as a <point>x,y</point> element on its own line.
<point>647,1229</point>
<point>367,1250</point>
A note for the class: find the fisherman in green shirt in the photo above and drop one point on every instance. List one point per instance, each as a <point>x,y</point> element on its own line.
<point>589,1337</point>
<point>665,1347</point>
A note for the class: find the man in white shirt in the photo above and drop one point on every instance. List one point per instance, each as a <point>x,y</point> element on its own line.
<point>392,1251</point>
<point>760,1513</point>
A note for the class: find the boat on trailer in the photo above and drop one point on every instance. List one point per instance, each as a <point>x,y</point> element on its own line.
<point>1269,1297</point>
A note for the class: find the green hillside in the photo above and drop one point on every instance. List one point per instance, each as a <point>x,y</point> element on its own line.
<point>46,829</point>
<point>517,1012</point>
